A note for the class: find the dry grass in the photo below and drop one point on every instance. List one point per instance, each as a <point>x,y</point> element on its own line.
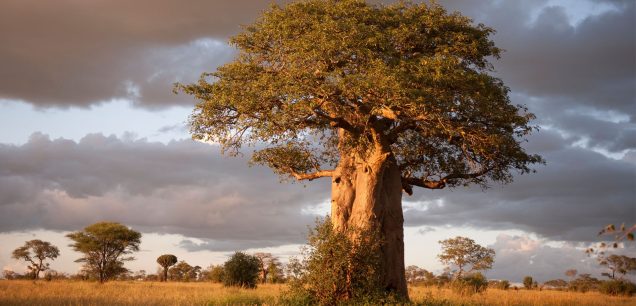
<point>146,293</point>
<point>132,293</point>
<point>435,296</point>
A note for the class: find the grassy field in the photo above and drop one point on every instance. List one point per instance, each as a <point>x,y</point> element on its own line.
<point>146,293</point>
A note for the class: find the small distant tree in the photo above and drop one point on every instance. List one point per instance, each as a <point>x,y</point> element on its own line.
<point>584,283</point>
<point>275,272</point>
<point>417,275</point>
<point>105,246</point>
<point>264,259</point>
<point>556,283</point>
<point>35,252</point>
<point>571,273</point>
<point>10,275</point>
<point>214,273</point>
<point>528,282</point>
<point>499,284</point>
<point>183,271</point>
<point>618,264</point>
<point>166,261</point>
<point>241,270</point>
<point>464,253</point>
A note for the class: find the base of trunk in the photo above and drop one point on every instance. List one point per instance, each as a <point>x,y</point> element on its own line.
<point>368,195</point>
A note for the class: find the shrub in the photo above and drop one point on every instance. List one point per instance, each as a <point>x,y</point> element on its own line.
<point>241,270</point>
<point>336,270</point>
<point>470,284</point>
<point>499,284</point>
<point>528,282</point>
<point>584,283</point>
<point>617,287</point>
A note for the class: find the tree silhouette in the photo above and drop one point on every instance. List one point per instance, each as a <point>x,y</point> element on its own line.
<point>35,252</point>
<point>166,261</point>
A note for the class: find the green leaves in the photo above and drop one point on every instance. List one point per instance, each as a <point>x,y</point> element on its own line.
<point>320,78</point>
<point>103,245</point>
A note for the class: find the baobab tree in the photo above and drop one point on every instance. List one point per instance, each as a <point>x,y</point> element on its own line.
<point>380,99</point>
<point>35,252</point>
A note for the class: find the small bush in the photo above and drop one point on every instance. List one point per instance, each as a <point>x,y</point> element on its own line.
<point>241,270</point>
<point>337,270</point>
<point>499,284</point>
<point>470,284</point>
<point>528,282</point>
<point>617,287</point>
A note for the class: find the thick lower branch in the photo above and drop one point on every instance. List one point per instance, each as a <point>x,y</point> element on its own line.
<point>313,175</point>
<point>408,182</point>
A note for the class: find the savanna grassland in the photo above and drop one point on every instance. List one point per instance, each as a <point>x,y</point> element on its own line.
<point>154,293</point>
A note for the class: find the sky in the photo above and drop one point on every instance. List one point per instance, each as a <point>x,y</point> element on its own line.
<point>90,130</point>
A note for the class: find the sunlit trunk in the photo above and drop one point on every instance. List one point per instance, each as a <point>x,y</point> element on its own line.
<point>367,194</point>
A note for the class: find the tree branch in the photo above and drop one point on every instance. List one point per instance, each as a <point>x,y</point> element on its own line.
<point>407,182</point>
<point>312,175</point>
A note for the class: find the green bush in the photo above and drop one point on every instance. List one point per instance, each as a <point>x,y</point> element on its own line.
<point>337,270</point>
<point>470,284</point>
<point>499,284</point>
<point>584,283</point>
<point>241,270</point>
<point>617,287</point>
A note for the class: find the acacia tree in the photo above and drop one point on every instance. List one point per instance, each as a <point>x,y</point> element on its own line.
<point>166,261</point>
<point>465,253</point>
<point>35,252</point>
<point>104,245</point>
<point>380,99</point>
<point>264,259</point>
<point>620,264</point>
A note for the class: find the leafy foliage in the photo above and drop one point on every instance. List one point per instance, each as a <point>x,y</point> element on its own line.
<point>499,284</point>
<point>214,273</point>
<point>556,283</point>
<point>584,283</point>
<point>617,287</point>
<point>104,246</point>
<point>320,78</point>
<point>470,284</point>
<point>184,272</point>
<point>166,261</point>
<point>416,275</point>
<point>618,264</point>
<point>464,253</point>
<point>241,270</point>
<point>35,252</point>
<point>336,269</point>
<point>528,282</point>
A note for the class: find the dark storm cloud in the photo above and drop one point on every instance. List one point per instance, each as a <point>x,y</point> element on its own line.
<point>77,53</point>
<point>182,187</point>
<point>66,53</point>
<point>571,198</point>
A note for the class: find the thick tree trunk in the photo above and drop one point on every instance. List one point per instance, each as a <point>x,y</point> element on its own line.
<point>367,194</point>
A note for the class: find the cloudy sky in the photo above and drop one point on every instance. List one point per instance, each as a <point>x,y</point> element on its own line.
<point>90,131</point>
